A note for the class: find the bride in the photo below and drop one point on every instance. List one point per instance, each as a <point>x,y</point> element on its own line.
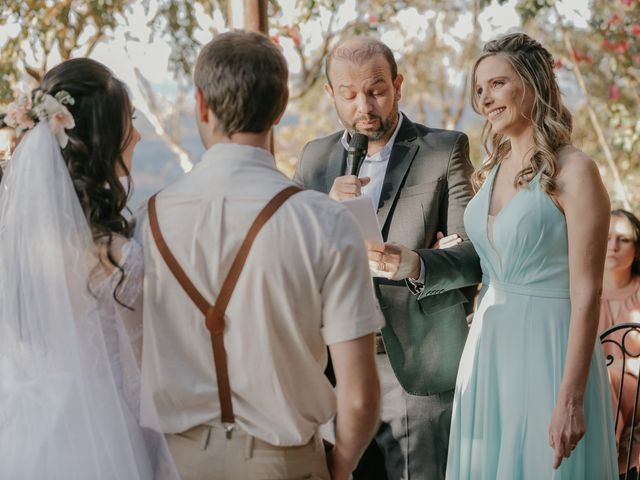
<point>70,282</point>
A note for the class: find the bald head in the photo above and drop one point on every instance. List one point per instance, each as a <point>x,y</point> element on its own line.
<point>359,50</point>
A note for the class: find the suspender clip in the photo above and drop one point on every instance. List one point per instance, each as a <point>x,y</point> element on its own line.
<point>229,428</point>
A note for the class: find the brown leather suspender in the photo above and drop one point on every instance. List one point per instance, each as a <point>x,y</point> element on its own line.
<point>214,314</point>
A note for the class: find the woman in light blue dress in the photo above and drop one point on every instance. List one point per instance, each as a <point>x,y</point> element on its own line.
<point>532,396</point>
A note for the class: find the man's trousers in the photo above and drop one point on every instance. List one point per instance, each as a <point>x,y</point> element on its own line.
<point>414,433</point>
<point>205,453</point>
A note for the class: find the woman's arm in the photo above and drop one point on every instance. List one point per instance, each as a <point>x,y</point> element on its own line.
<point>586,206</point>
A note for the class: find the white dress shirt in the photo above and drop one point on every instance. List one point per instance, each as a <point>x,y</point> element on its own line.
<point>305,285</point>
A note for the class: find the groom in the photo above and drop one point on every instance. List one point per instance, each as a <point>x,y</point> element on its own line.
<point>253,412</point>
<point>419,178</point>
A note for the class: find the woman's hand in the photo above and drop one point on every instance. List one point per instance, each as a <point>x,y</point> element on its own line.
<point>566,429</point>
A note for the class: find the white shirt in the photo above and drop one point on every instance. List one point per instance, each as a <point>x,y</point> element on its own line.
<point>375,166</point>
<point>305,285</point>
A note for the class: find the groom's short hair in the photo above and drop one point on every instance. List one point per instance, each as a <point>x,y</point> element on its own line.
<point>243,77</point>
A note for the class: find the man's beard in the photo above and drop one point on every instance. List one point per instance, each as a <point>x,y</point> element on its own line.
<point>384,129</point>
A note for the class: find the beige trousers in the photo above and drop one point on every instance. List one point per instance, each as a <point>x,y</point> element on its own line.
<point>205,453</point>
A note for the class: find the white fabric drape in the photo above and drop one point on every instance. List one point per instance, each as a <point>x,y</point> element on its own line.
<point>63,365</point>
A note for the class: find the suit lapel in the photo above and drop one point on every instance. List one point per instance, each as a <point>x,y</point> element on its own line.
<point>336,165</point>
<point>402,155</point>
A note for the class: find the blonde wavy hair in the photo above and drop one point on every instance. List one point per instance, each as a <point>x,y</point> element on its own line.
<point>551,120</point>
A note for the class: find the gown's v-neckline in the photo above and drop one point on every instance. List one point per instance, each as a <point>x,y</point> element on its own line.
<point>492,182</point>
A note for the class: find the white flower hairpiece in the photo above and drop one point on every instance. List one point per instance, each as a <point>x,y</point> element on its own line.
<point>22,115</point>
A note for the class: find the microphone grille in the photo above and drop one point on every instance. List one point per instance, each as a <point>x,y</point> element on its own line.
<point>359,141</point>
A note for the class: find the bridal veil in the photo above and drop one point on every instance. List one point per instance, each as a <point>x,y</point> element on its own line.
<point>63,413</point>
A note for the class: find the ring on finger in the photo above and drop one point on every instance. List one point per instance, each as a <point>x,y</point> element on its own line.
<point>382,266</point>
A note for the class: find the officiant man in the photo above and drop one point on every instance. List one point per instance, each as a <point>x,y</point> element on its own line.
<point>255,413</point>
<point>419,178</point>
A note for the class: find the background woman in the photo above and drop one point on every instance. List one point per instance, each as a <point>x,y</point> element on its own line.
<point>621,304</point>
<point>529,375</point>
<point>69,379</point>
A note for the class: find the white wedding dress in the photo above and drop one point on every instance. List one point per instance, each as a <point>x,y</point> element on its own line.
<point>69,352</point>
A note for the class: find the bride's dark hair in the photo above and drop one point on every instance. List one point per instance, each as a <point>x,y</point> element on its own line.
<point>103,129</point>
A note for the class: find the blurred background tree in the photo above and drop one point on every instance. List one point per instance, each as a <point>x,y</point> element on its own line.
<point>601,62</point>
<point>67,28</point>
<point>597,51</point>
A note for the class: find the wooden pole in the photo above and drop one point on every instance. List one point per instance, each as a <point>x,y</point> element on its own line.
<point>255,16</point>
<point>249,15</point>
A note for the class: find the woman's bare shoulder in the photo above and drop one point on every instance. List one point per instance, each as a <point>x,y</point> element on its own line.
<point>572,161</point>
<point>576,169</point>
<point>579,181</point>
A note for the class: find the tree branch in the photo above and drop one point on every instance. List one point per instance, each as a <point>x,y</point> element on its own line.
<point>595,123</point>
<point>154,118</point>
<point>313,74</point>
<point>93,41</point>
<point>470,44</point>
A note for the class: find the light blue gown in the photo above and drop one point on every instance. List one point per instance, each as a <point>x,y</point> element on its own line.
<point>514,358</point>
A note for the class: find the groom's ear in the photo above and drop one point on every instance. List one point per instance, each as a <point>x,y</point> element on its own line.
<point>202,106</point>
<point>284,108</point>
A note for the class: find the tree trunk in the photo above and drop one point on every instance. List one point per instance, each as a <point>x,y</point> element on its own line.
<point>249,15</point>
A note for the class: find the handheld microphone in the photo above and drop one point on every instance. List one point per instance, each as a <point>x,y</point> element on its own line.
<point>356,153</point>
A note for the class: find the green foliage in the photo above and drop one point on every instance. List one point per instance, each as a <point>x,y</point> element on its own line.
<point>616,26</point>
<point>75,27</point>
<point>314,11</point>
<point>435,66</point>
<point>607,54</point>
<point>70,27</point>
<point>9,55</point>
<point>482,4</point>
<point>625,127</point>
<point>529,9</point>
<point>177,20</point>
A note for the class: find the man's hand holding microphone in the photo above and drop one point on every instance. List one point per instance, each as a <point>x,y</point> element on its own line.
<point>349,185</point>
<point>389,260</point>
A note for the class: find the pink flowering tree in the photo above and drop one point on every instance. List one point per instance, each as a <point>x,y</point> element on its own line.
<point>618,26</point>
<point>600,63</point>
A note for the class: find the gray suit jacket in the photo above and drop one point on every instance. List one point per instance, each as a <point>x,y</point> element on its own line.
<point>426,189</point>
